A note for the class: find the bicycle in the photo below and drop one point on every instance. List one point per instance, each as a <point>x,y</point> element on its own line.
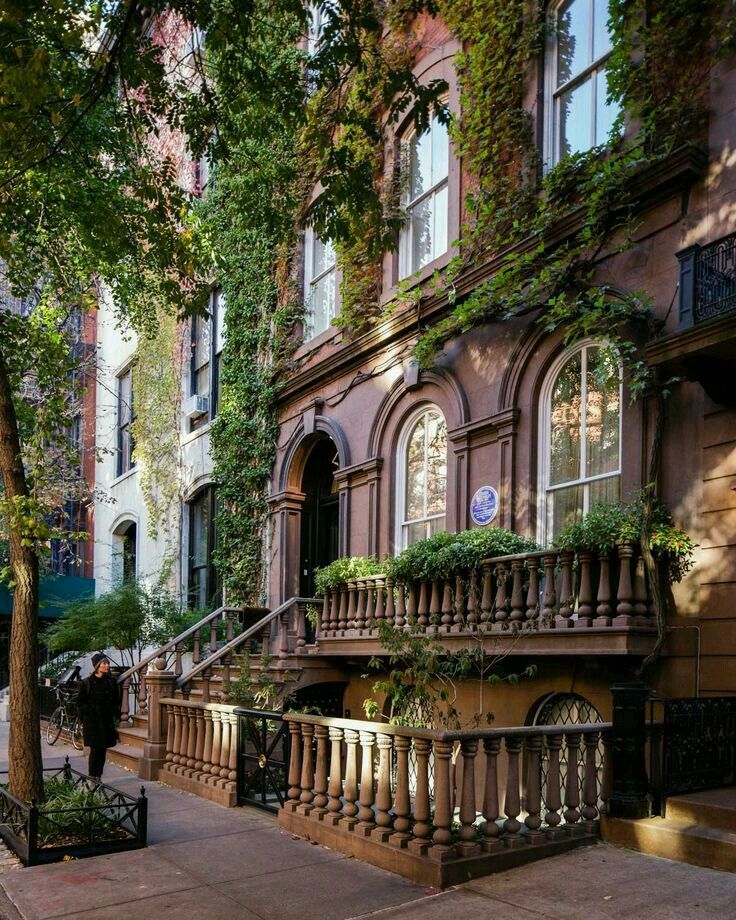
<point>65,714</point>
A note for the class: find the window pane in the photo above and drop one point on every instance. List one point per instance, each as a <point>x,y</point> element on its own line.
<point>439,236</point>
<point>322,304</point>
<point>565,423</point>
<point>414,533</point>
<point>219,299</point>
<point>602,413</point>
<point>437,525</point>
<point>605,490</point>
<point>573,39</point>
<point>436,464</point>
<point>414,507</point>
<point>605,112</point>
<point>202,380</point>
<point>420,165</point>
<point>420,234</point>
<point>567,507</point>
<point>440,152</point>
<point>125,391</point>
<point>575,117</point>
<point>601,36</point>
<point>323,255</point>
<point>202,333</point>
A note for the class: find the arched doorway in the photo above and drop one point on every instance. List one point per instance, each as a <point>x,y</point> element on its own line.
<point>320,519</point>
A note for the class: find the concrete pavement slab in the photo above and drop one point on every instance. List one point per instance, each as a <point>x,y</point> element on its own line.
<point>467,905</point>
<point>192,904</point>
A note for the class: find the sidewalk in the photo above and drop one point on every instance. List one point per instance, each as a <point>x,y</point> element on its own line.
<point>204,861</point>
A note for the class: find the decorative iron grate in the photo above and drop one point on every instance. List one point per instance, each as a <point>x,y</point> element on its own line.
<point>715,279</point>
<point>699,744</point>
<point>263,759</point>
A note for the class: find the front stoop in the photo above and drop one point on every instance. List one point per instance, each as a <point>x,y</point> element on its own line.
<point>699,829</point>
<point>424,870</point>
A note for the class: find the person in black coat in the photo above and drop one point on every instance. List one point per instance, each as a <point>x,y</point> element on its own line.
<point>99,709</point>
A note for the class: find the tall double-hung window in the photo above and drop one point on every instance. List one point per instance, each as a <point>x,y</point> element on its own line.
<point>207,343</point>
<point>578,114</point>
<point>126,417</point>
<point>581,436</point>
<point>320,284</point>
<point>422,477</point>
<point>425,171</point>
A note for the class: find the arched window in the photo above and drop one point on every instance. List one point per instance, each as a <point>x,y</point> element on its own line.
<point>125,552</point>
<point>425,171</point>
<point>422,477</point>
<point>581,436</point>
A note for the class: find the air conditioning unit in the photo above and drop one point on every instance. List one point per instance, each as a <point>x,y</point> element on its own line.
<point>195,406</point>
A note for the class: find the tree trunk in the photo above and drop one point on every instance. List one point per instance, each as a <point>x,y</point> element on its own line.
<point>24,748</point>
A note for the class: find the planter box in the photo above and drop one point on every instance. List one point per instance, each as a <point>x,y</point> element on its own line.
<point>125,821</point>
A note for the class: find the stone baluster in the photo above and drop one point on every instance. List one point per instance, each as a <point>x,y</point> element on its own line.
<point>191,738</point>
<point>196,650</point>
<point>177,659</point>
<point>232,763</point>
<point>423,607</point>
<point>319,803</point>
<point>184,744</point>
<point>549,597</point>
<point>206,677</point>
<point>446,611</point>
<point>501,613</point>
<point>391,615</point>
<point>572,782</point>
<point>400,836</point>
<point>350,792</point>
<point>229,616</point>
<point>420,841</point>
<point>603,597</point>
<point>380,612</point>
<point>325,621</point>
<point>350,624</point>
<point>442,836</point>
<point>226,745</point>
<point>370,611</point>
<point>553,798</point>
<point>567,599</point>
<point>207,749</point>
<point>491,830</point>
<point>226,664</point>
<point>459,617</point>
<point>625,593</point>
<point>199,742</point>
<point>641,608</point>
<point>486,598</point>
<point>295,766</point>
<point>512,800</point>
<point>360,591</point>
<point>301,625</point>
<point>590,781</point>
<point>170,737</point>
<point>342,616</point>
<point>125,700</point>
<point>334,610</point>
<point>334,788</point>
<point>382,830</point>
<point>366,821</point>
<point>411,605</point>
<point>607,775</point>
<point>307,778</point>
<point>532,591</point>
<point>533,820</point>
<point>266,640</point>
<point>435,606</point>
<point>585,593</point>
<point>517,591</point>
<point>216,741</point>
<point>400,605</point>
<point>468,845</point>
<point>213,635</point>
<point>142,691</point>
<point>472,602</point>
<point>284,635</point>
<point>176,747</point>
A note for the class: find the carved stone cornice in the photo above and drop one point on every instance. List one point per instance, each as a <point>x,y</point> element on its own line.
<point>486,430</point>
<point>288,499</point>
<point>359,473</point>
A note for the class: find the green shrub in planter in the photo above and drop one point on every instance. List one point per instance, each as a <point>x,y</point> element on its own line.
<point>342,570</point>
<point>445,553</point>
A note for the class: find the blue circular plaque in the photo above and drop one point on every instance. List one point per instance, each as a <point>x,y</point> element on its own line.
<point>484,505</point>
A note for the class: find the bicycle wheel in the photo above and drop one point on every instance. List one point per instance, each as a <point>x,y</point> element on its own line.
<point>56,723</point>
<point>77,737</point>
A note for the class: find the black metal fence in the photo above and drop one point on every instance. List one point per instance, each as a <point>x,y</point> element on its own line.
<point>707,280</point>
<point>263,759</point>
<point>109,821</point>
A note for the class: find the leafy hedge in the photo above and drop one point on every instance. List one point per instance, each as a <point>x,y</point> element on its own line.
<point>345,569</point>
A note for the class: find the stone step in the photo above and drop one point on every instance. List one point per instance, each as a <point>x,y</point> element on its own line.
<point>696,844</point>
<point>126,756</point>
<point>133,736</point>
<point>715,808</point>
<point>140,720</point>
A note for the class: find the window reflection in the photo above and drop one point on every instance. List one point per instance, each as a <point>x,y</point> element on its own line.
<point>425,475</point>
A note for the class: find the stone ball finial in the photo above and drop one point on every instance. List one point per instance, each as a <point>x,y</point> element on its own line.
<point>160,664</point>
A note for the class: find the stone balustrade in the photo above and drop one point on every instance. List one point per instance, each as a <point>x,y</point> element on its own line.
<point>543,590</point>
<point>441,806</point>
<point>201,749</point>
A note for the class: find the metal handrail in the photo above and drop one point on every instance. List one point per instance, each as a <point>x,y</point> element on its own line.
<point>239,640</point>
<point>172,643</point>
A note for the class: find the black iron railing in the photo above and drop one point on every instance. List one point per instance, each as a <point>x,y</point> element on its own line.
<point>263,759</point>
<point>43,833</point>
<point>707,281</point>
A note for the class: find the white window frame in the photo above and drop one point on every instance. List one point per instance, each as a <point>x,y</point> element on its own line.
<point>311,280</point>
<point>544,506</point>
<point>406,269</point>
<point>552,92</point>
<point>401,463</point>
